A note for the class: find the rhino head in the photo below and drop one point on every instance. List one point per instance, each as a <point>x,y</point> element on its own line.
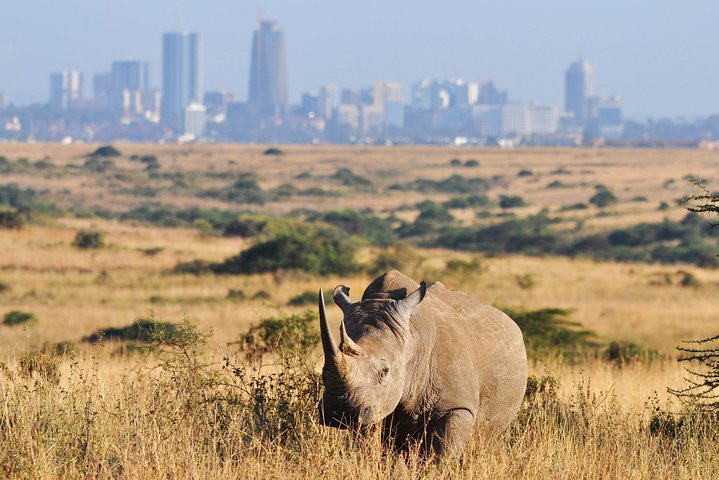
<point>365,375</point>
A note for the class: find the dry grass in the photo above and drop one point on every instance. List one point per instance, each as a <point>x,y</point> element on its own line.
<point>112,415</point>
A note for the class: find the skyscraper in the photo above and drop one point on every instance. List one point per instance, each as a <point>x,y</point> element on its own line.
<point>268,71</point>
<point>65,87</point>
<point>129,81</point>
<point>181,75</point>
<point>578,87</point>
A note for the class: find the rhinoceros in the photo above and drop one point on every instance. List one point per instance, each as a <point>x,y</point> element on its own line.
<point>427,363</point>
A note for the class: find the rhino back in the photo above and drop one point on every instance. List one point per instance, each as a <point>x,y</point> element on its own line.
<point>478,361</point>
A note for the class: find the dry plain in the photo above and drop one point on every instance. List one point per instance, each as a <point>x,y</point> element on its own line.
<point>111,414</point>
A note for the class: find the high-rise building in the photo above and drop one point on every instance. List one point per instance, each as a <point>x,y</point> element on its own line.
<point>181,75</point>
<point>578,88</point>
<point>489,94</point>
<point>65,88</point>
<point>3,100</point>
<point>268,71</point>
<point>130,79</point>
<point>102,89</point>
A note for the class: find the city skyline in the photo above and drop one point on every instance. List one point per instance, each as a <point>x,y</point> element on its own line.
<point>333,45</point>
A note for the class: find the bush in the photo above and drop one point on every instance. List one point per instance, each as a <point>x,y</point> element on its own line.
<point>142,330</point>
<point>273,151</point>
<point>11,219</point>
<point>88,239</point>
<point>454,184</point>
<point>298,332</point>
<point>98,165</point>
<point>244,190</point>
<point>548,331</point>
<point>400,257</point>
<point>308,297</point>
<point>106,151</point>
<point>313,249</point>
<point>603,198</point>
<point>16,317</point>
<point>464,267</point>
<point>433,213</point>
<point>471,163</point>
<point>365,224</point>
<point>245,227</point>
<point>455,162</point>
<point>193,267</point>
<point>625,352</point>
<point>525,173</point>
<point>511,201</point>
<point>470,201</point>
<point>348,178</point>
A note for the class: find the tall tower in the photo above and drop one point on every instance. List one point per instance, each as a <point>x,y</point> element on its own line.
<point>129,81</point>
<point>181,74</point>
<point>64,88</point>
<point>578,87</point>
<point>268,70</point>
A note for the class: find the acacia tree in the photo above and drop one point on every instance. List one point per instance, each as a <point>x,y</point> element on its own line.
<point>703,388</point>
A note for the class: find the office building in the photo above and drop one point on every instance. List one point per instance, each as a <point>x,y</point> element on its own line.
<point>65,88</point>
<point>181,75</point>
<point>578,88</point>
<point>130,80</point>
<point>268,71</point>
<point>3,100</point>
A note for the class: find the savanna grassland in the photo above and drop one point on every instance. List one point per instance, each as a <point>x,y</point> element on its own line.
<point>137,273</point>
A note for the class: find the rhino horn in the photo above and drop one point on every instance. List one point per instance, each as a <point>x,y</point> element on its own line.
<point>329,346</point>
<point>341,297</point>
<point>347,345</point>
<point>337,366</point>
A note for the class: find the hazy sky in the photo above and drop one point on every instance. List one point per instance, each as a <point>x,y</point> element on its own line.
<point>659,55</point>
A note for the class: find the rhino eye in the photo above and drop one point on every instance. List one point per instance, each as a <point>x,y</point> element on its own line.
<point>383,372</point>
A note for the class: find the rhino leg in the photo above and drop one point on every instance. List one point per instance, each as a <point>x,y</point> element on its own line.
<point>450,433</point>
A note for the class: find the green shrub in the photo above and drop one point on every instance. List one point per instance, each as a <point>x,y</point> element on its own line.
<point>455,162</point>
<point>313,249</point>
<point>471,163</point>
<point>469,201</point>
<point>88,239</point>
<point>348,178</point>
<point>432,212</point>
<point>603,198</point>
<point>273,151</point>
<point>511,201</point>
<point>623,353</point>
<point>365,224</point>
<point>454,184</point>
<point>11,219</point>
<point>4,287</point>
<point>236,294</point>
<point>142,330</point>
<point>464,267</point>
<point>526,281</point>
<point>244,190</point>
<point>98,165</point>
<point>16,317</point>
<point>151,162</point>
<point>298,332</point>
<point>548,331</point>
<point>574,206</point>
<point>106,151</point>
<point>308,297</point>
<point>525,173</point>
<point>193,267</point>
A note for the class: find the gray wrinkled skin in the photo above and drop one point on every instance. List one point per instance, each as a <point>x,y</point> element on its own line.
<point>428,363</point>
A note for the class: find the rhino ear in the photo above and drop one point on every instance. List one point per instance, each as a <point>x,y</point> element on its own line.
<point>407,305</point>
<point>341,297</point>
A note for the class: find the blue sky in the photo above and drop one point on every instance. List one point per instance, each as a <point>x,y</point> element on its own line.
<point>659,55</point>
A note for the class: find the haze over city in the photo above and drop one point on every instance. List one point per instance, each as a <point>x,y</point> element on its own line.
<point>656,54</point>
